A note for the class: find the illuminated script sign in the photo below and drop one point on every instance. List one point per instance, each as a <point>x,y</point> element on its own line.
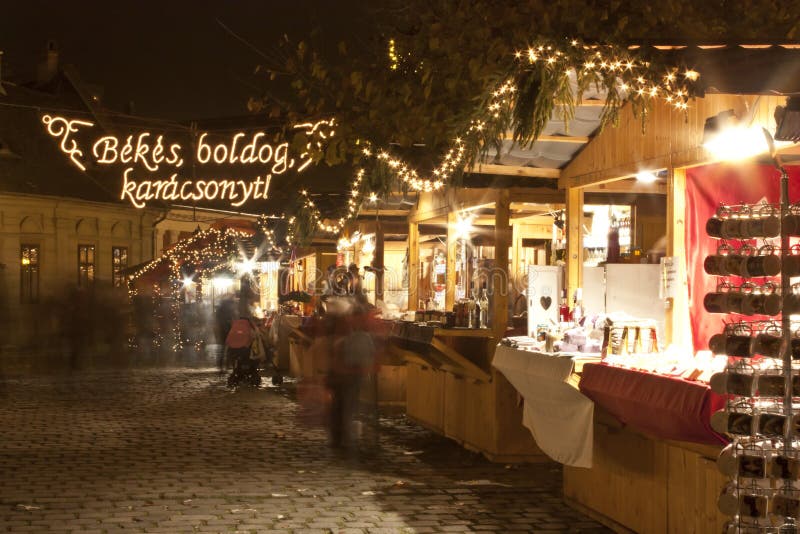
<point>155,169</point>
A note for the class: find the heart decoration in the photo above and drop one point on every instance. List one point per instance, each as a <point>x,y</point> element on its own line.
<point>545,302</point>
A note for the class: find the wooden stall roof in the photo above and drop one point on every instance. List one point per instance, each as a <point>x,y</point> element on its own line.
<point>562,152</point>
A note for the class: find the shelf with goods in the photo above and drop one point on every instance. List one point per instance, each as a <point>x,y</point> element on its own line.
<point>761,415</point>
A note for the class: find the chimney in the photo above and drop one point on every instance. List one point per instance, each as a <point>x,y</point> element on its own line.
<point>49,67</point>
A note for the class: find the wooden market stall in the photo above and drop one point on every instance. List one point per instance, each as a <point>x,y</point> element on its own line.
<point>641,481</point>
<point>452,387</point>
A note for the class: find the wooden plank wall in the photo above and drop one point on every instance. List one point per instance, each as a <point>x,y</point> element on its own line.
<point>670,139</point>
<point>425,396</point>
<point>649,485</point>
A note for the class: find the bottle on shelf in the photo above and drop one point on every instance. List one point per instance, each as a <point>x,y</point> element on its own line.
<point>484,304</point>
<point>563,310</point>
<point>472,307</point>
<point>577,306</point>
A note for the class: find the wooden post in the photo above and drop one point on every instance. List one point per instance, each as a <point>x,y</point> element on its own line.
<point>574,240</point>
<point>452,249</point>
<point>678,325</point>
<point>516,257</point>
<point>413,265</point>
<point>502,240</point>
<point>378,261</point>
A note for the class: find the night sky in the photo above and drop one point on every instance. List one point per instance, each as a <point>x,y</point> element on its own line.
<point>171,58</point>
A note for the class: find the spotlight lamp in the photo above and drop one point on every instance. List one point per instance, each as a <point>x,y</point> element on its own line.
<point>787,119</point>
<point>728,138</point>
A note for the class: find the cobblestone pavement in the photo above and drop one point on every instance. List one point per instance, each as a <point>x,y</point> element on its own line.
<point>153,450</point>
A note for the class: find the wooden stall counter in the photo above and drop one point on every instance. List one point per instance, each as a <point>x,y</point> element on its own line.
<point>453,390</point>
<point>644,484</point>
<point>644,477</point>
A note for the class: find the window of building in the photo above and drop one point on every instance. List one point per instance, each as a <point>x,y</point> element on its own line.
<point>29,273</point>
<point>85,265</point>
<point>119,262</point>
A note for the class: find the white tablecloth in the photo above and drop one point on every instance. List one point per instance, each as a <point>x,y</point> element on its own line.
<point>559,416</point>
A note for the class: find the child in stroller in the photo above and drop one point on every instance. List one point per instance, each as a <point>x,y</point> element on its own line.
<point>244,348</point>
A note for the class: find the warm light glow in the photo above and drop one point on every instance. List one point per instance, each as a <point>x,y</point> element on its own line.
<point>147,153</point>
<point>246,266</point>
<point>61,127</point>
<point>270,266</point>
<point>692,75</point>
<point>252,152</point>
<point>464,226</point>
<point>222,283</point>
<point>26,261</point>
<point>237,192</point>
<point>187,283</point>
<point>737,143</point>
<point>368,246</point>
<point>373,197</point>
<point>646,177</point>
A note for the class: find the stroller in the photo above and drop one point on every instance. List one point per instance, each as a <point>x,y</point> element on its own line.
<point>244,347</point>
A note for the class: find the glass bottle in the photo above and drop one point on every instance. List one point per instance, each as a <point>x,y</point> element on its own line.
<point>563,311</point>
<point>484,304</point>
<point>577,306</point>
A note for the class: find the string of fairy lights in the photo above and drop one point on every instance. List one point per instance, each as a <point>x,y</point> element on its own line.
<point>625,76</point>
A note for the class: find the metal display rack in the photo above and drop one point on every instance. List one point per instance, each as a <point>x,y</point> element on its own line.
<point>763,460</point>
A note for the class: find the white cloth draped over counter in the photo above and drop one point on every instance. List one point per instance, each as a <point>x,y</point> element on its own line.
<point>559,416</point>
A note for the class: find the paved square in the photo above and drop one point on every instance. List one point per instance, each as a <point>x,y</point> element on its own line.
<point>155,450</point>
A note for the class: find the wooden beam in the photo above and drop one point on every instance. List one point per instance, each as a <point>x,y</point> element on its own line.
<point>516,254</point>
<point>542,214</point>
<point>514,170</point>
<point>460,364</point>
<point>418,217</point>
<point>628,186</point>
<point>452,246</point>
<point>574,240</point>
<point>537,195</point>
<point>502,241</point>
<point>591,103</point>
<point>378,261</point>
<point>413,265</point>
<point>509,135</point>
<point>384,212</point>
<point>678,325</point>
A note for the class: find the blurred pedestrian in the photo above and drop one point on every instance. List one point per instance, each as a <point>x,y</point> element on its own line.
<point>353,358</point>
<point>76,324</point>
<point>224,316</point>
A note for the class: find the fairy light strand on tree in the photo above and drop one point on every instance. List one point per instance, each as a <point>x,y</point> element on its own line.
<point>566,72</point>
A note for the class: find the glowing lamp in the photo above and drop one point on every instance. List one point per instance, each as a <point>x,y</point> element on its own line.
<point>187,283</point>
<point>464,226</point>
<point>646,177</point>
<point>727,139</point>
<point>368,246</point>
<point>787,119</point>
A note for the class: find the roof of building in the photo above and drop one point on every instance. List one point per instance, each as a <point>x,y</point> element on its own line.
<point>30,160</point>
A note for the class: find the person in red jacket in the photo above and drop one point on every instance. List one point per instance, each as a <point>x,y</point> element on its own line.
<point>353,358</point>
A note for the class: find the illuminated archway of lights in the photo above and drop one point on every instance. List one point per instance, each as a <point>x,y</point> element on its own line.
<point>634,79</point>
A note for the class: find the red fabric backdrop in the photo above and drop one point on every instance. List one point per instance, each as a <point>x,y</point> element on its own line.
<point>706,188</point>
